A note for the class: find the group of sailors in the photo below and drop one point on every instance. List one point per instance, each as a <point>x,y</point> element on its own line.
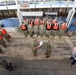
<point>43,27</point>
<point>4,39</point>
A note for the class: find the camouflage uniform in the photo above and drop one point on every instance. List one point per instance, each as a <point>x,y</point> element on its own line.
<point>48,33</point>
<point>35,44</point>
<point>6,65</point>
<point>49,47</point>
<point>61,31</point>
<point>55,28</point>
<point>6,37</point>
<point>25,32</point>
<point>54,32</point>
<point>30,30</point>
<point>44,23</point>
<point>42,30</point>
<point>3,63</point>
<point>2,42</point>
<point>36,29</point>
<point>24,29</point>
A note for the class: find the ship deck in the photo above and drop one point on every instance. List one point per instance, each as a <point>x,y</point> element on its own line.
<point>19,52</point>
<point>20,46</point>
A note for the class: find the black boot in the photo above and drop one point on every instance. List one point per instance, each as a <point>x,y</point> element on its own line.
<point>47,56</point>
<point>73,62</point>
<point>71,58</point>
<point>10,67</point>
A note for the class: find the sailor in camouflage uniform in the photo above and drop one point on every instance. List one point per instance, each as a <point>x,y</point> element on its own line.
<point>49,47</point>
<point>36,26</point>
<point>24,29</point>
<point>6,65</point>
<point>26,21</point>
<point>35,45</point>
<point>48,28</point>
<point>2,42</point>
<point>41,29</point>
<point>62,28</point>
<point>36,29</point>
<point>30,29</point>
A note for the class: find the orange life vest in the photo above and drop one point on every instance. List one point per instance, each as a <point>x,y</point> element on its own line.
<point>23,27</point>
<point>1,37</point>
<point>63,26</point>
<point>30,24</point>
<point>55,27</point>
<point>37,22</point>
<point>48,26</point>
<point>3,31</point>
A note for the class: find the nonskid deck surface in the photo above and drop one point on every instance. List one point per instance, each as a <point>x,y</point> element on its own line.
<point>19,52</point>
<point>20,46</point>
<point>40,67</point>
